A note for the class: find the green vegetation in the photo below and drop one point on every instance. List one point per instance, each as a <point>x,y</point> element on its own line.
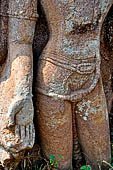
<point>86,167</point>
<point>53,161</point>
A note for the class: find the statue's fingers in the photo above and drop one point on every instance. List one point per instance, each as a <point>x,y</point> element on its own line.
<point>27,132</point>
<point>27,137</point>
<point>22,133</point>
<point>30,132</point>
<point>30,135</point>
<point>17,131</point>
<point>33,134</point>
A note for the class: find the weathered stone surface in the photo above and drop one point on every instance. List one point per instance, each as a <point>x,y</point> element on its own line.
<point>68,78</point>
<point>69,70</point>
<point>86,63</point>
<point>16,107</point>
<point>93,127</point>
<point>55,129</point>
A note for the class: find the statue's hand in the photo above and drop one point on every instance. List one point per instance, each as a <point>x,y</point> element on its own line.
<point>20,111</point>
<point>20,118</point>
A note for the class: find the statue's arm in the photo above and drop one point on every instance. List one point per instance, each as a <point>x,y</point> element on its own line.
<point>23,15</point>
<point>17,133</point>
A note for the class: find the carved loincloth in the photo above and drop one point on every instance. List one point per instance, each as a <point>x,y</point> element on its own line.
<point>68,80</point>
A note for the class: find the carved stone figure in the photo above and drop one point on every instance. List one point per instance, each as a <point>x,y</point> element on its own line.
<point>16,73</point>
<point>70,100</point>
<point>69,82</point>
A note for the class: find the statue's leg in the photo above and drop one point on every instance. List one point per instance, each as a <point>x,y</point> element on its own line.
<point>93,127</point>
<point>54,119</point>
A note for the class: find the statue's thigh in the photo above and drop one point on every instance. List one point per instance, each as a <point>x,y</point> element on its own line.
<point>54,120</point>
<point>93,126</point>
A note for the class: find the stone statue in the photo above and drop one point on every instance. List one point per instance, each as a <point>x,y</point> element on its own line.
<point>69,82</point>
<point>16,72</point>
